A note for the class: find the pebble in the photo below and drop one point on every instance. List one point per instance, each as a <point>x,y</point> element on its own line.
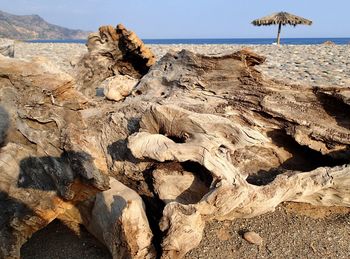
<point>329,65</point>
<point>253,238</point>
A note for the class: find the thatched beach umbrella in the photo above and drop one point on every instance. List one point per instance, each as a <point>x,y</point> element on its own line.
<point>281,18</point>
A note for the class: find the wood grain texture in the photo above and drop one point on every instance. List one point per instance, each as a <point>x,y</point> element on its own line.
<point>199,138</point>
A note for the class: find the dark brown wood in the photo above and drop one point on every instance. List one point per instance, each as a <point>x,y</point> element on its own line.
<point>279,34</point>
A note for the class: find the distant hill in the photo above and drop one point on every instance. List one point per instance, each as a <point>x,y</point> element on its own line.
<point>32,27</point>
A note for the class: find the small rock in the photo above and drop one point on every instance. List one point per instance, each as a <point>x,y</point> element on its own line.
<point>223,234</point>
<point>7,48</point>
<point>118,87</point>
<point>253,238</point>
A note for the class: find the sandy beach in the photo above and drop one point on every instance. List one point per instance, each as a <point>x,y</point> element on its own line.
<point>293,230</point>
<point>302,64</point>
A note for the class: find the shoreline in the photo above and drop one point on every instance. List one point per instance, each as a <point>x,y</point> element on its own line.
<point>230,41</point>
<point>296,64</point>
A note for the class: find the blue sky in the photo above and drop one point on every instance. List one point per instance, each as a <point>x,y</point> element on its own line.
<point>190,18</point>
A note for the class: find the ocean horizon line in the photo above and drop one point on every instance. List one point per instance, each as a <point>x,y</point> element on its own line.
<point>248,41</point>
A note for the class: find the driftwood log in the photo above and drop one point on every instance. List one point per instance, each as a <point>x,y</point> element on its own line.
<point>7,47</point>
<point>112,51</point>
<point>199,138</point>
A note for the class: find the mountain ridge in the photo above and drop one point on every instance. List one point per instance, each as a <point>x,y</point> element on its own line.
<point>34,27</point>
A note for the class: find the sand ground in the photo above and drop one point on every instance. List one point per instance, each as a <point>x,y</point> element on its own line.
<point>308,64</point>
<point>292,231</point>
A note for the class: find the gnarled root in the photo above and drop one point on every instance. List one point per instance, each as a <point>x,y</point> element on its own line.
<point>211,141</point>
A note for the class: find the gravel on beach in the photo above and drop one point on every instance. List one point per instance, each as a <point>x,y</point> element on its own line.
<point>301,64</point>
<point>292,231</point>
<point>307,64</point>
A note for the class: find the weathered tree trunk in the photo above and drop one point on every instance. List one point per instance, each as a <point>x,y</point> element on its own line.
<point>250,134</point>
<point>112,51</point>
<point>50,164</point>
<point>209,136</point>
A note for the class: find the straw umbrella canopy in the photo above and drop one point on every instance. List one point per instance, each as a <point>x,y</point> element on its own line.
<point>281,18</point>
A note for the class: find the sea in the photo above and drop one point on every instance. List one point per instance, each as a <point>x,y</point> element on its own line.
<point>257,41</point>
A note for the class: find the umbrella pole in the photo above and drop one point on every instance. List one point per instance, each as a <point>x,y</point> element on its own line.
<point>278,34</point>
